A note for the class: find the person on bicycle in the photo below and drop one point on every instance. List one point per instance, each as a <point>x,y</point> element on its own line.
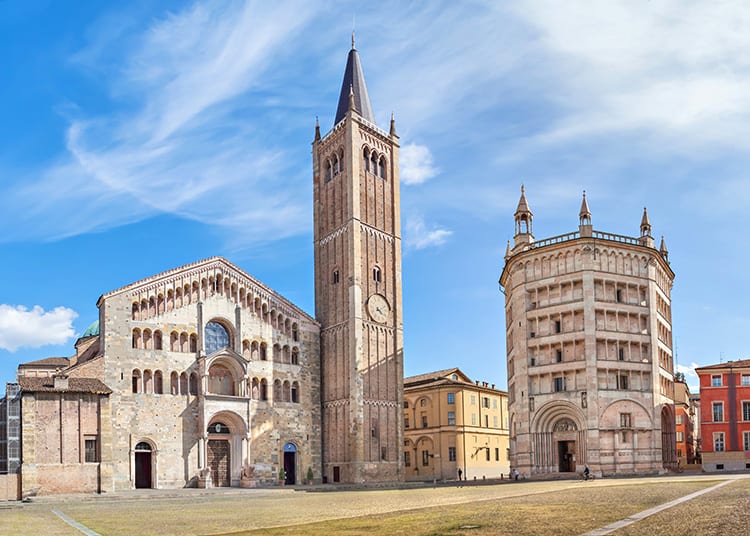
<point>586,472</point>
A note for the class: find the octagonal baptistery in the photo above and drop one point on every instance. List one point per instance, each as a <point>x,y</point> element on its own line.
<point>215,380</point>
<point>589,350</point>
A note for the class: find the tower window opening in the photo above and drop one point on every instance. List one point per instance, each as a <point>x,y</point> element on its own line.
<point>559,356</point>
<point>366,160</point>
<point>335,277</point>
<point>329,171</point>
<point>376,274</point>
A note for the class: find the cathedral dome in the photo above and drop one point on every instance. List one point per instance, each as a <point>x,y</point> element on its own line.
<point>92,330</point>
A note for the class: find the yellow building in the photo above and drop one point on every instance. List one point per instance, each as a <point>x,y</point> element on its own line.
<point>452,423</point>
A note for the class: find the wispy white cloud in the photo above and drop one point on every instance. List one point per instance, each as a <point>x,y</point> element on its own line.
<point>417,235</point>
<point>21,327</point>
<point>691,377</point>
<point>178,139</point>
<point>416,164</point>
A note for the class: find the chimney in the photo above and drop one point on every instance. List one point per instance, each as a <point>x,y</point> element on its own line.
<point>477,382</point>
<point>61,380</point>
<point>493,385</point>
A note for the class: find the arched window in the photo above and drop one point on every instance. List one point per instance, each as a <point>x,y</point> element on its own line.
<point>246,349</point>
<point>376,274</point>
<point>263,352</point>
<point>158,383</point>
<point>287,355</point>
<point>174,384</point>
<point>255,389</point>
<point>170,300</point>
<point>277,397</point>
<point>381,167</point>
<point>151,306</point>
<point>136,383</point>
<point>136,338</point>
<point>276,353</point>
<point>183,342</point>
<point>341,160</point>
<point>147,339</point>
<point>295,333</point>
<point>183,384</point>
<point>174,342</point>
<point>193,342</point>
<point>220,380</point>
<point>295,356</point>
<point>335,165</point>
<point>254,351</point>
<point>295,392</point>
<point>335,277</point>
<point>366,159</point>
<point>263,389</point>
<point>287,388</point>
<point>147,385</point>
<point>373,163</point>
<point>217,337</point>
<point>136,310</point>
<point>160,302</point>
<point>193,383</point>
<point>329,170</point>
<point>178,297</point>
<point>157,340</point>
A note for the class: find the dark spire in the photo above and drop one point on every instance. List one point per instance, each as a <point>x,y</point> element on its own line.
<point>584,215</point>
<point>317,129</point>
<point>354,79</point>
<point>393,125</point>
<point>645,224</point>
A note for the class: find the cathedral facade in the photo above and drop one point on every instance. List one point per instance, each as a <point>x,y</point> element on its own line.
<point>203,376</point>
<point>589,350</point>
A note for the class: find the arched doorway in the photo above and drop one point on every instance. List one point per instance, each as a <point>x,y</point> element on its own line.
<point>218,454</point>
<point>668,446</point>
<point>565,435</point>
<point>143,465</point>
<point>290,463</point>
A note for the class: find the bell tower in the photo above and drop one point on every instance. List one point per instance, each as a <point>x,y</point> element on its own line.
<point>357,234</point>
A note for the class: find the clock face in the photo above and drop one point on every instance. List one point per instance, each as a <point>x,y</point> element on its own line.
<point>379,308</point>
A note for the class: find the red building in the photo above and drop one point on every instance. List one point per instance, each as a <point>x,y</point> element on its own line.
<point>684,423</point>
<point>725,415</point>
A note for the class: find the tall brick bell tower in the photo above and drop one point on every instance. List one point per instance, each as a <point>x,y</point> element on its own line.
<point>358,289</point>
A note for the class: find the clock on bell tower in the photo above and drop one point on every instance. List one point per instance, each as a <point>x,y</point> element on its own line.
<point>357,233</point>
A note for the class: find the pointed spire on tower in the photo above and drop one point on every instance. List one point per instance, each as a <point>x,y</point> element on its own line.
<point>645,224</point>
<point>507,250</point>
<point>524,218</point>
<point>585,213</point>
<point>317,129</point>
<point>584,218</point>
<point>393,125</point>
<point>663,249</point>
<point>354,84</point>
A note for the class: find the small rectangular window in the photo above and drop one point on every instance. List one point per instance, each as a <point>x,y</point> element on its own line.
<point>383,453</point>
<point>558,356</point>
<point>487,450</point>
<point>719,443</point>
<point>622,381</point>
<point>406,422</point>
<point>720,466</point>
<point>451,454</point>
<point>473,419</point>
<point>425,458</point>
<point>406,404</point>
<point>625,420</point>
<point>678,419</point>
<point>92,452</point>
<point>716,381</point>
<point>451,418</point>
<point>424,421</point>
<point>473,400</point>
<point>407,458</point>
<point>497,454</point>
<point>558,326</point>
<point>559,384</point>
<point>680,436</point>
<point>745,380</point>
<point>718,412</point>
<point>486,421</point>
<point>621,354</point>
<point>746,411</point>
<point>451,398</point>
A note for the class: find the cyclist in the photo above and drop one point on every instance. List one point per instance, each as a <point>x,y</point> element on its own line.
<point>586,472</point>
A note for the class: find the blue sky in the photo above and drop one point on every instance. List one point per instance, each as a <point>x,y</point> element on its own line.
<point>140,137</point>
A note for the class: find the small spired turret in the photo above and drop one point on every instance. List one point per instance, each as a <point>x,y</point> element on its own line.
<point>585,227</point>
<point>524,218</point>
<point>663,249</point>
<point>646,238</point>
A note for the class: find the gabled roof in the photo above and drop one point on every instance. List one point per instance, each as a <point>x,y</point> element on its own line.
<point>742,363</point>
<point>47,362</point>
<point>75,385</point>
<point>438,375</point>
<point>354,83</point>
<point>205,265</point>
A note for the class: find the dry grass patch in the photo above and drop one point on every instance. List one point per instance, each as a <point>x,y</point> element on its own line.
<point>724,511</point>
<point>572,511</point>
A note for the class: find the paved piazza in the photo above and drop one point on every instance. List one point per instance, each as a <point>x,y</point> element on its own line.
<point>217,511</point>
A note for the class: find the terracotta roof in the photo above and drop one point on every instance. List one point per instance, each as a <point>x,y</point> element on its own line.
<point>48,362</point>
<point>75,385</point>
<point>741,363</point>
<point>437,375</point>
